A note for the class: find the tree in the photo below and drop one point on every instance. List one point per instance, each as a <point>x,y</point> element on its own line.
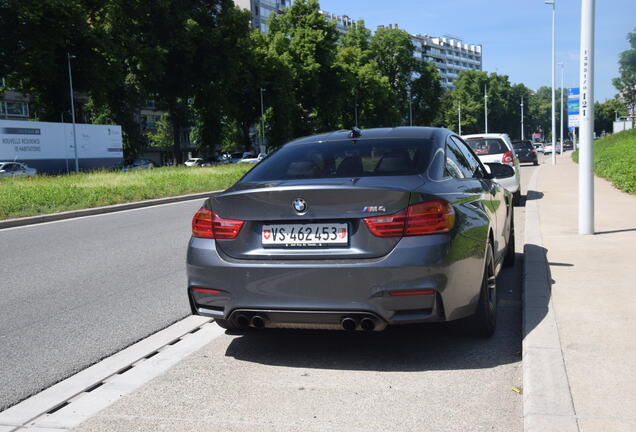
<point>605,113</point>
<point>626,83</point>
<point>305,43</point>
<point>392,50</point>
<point>426,92</point>
<point>36,37</point>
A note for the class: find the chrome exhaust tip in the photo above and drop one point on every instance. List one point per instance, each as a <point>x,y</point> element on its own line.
<point>258,322</point>
<point>367,324</point>
<point>242,320</point>
<point>348,324</point>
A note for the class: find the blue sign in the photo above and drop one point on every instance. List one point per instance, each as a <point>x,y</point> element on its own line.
<point>573,107</point>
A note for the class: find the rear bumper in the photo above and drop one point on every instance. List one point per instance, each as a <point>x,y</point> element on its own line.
<point>321,292</point>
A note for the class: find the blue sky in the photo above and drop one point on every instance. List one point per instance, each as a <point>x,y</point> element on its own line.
<point>515,34</point>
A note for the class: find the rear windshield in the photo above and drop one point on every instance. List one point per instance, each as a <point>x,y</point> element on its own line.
<point>522,144</point>
<point>359,158</point>
<point>487,146</point>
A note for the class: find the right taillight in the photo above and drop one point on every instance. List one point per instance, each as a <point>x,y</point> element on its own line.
<point>508,158</point>
<point>430,217</point>
<point>209,225</point>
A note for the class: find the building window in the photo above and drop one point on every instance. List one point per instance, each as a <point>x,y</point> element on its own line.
<point>14,109</point>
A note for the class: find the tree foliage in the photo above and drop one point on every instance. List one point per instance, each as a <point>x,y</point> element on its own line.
<point>626,82</point>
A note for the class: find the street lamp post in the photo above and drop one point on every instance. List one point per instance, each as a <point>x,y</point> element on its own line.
<point>262,123</point>
<point>459,116</point>
<point>522,134</point>
<point>70,80</point>
<point>486,108</point>
<point>552,2</point>
<point>586,125</point>
<point>561,130</point>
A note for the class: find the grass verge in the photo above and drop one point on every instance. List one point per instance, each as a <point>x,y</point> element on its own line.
<point>615,160</point>
<point>21,197</point>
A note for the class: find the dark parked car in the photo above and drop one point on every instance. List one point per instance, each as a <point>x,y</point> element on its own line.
<point>525,151</point>
<point>356,230</point>
<point>568,145</point>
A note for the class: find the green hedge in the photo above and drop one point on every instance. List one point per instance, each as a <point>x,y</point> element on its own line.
<point>50,194</point>
<point>615,160</point>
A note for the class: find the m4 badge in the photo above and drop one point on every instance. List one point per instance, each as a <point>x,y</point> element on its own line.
<point>374,209</point>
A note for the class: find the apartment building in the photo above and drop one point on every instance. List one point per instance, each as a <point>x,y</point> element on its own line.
<point>13,105</point>
<point>343,22</point>
<point>262,9</point>
<point>450,54</point>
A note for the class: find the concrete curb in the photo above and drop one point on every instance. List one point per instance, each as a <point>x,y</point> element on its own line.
<point>547,399</point>
<point>9,223</point>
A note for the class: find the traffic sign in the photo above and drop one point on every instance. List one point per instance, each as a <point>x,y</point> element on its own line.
<point>573,107</point>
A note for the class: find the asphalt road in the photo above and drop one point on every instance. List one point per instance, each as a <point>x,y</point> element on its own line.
<point>73,292</point>
<point>76,291</point>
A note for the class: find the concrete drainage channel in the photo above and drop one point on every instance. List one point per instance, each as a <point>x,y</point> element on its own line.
<point>68,403</point>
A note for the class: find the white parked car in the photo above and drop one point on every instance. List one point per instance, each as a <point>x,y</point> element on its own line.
<point>547,149</point>
<point>254,160</point>
<point>16,169</point>
<point>192,162</point>
<point>497,148</point>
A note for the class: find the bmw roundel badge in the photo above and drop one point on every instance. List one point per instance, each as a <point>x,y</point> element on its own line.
<point>300,205</point>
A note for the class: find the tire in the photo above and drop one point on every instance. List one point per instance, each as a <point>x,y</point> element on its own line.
<point>535,163</point>
<point>516,198</point>
<point>484,321</point>
<point>510,258</point>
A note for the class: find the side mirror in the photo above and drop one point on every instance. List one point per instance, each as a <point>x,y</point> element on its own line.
<point>500,171</point>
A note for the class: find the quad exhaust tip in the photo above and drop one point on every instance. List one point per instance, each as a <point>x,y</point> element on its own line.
<point>367,324</point>
<point>348,324</point>
<point>242,320</point>
<point>258,322</point>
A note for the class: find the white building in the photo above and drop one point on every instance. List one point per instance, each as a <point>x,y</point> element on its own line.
<point>262,9</point>
<point>343,22</point>
<point>450,54</point>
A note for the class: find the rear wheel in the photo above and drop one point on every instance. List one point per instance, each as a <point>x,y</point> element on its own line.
<point>483,322</point>
<point>509,259</point>
<point>535,163</point>
<point>516,198</point>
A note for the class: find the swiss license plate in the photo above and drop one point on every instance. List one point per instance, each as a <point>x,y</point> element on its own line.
<point>305,235</point>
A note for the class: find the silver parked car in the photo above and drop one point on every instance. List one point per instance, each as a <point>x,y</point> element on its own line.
<point>16,169</point>
<point>355,230</point>
<point>496,147</point>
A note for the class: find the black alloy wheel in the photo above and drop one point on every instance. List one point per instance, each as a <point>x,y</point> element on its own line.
<point>483,322</point>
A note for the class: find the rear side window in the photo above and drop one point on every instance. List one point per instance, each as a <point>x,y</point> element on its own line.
<point>487,146</point>
<point>347,158</point>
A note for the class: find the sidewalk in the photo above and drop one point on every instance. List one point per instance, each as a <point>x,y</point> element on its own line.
<point>593,298</point>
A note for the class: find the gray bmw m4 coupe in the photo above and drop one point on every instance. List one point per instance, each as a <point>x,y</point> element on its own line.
<point>356,230</point>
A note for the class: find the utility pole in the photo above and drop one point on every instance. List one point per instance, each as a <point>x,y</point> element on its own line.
<point>522,134</point>
<point>459,116</point>
<point>410,107</point>
<point>70,80</point>
<point>552,2</point>
<point>561,131</point>
<point>486,108</point>
<point>262,123</point>
<point>586,125</point>
<point>355,110</point>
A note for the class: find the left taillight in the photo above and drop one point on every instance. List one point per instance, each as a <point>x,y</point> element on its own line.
<point>430,217</point>
<point>508,158</point>
<point>209,225</point>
